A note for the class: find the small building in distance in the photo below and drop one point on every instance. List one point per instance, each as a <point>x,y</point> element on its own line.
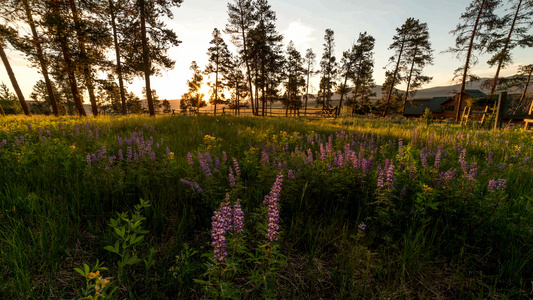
<point>441,107</point>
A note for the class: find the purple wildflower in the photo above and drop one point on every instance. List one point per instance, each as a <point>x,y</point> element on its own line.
<point>236,166</point>
<point>380,182</point>
<point>497,185</point>
<point>231,178</point>
<point>224,156</point>
<point>238,218</point>
<point>272,200</point>
<point>438,158</point>
<point>362,226</point>
<point>264,158</point>
<point>490,157</point>
<point>218,232</point>
<point>189,159</point>
<point>290,174</point>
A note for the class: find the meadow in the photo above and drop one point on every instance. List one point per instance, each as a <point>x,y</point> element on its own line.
<point>248,208</point>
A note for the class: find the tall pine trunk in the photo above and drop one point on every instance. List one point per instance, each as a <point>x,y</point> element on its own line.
<point>61,36</point>
<point>504,50</point>
<point>393,82</point>
<point>307,88</point>
<point>342,93</point>
<point>86,69</point>
<point>409,79</point>
<point>467,63</point>
<point>146,61</point>
<point>117,55</point>
<point>2,111</point>
<point>14,82</point>
<point>42,62</point>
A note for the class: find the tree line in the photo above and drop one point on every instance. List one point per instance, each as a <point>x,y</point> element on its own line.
<point>70,42</point>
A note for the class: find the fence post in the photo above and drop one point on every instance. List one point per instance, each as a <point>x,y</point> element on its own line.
<point>500,108</point>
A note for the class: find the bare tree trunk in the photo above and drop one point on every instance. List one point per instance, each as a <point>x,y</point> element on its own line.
<point>2,111</point>
<point>307,88</point>
<point>504,50</point>
<point>40,57</point>
<point>146,62</point>
<point>393,82</point>
<point>14,81</point>
<point>467,63</point>
<point>409,80</point>
<point>117,55</point>
<point>216,88</point>
<point>84,59</point>
<point>342,93</point>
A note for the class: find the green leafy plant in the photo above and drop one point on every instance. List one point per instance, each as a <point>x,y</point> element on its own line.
<point>129,236</point>
<point>96,284</point>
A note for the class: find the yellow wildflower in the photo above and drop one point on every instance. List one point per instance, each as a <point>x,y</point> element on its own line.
<point>93,275</point>
<point>171,155</point>
<point>72,147</point>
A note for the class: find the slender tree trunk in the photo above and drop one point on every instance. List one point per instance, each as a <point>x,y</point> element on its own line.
<point>216,87</point>
<point>42,62</point>
<point>307,88</point>
<point>393,82</point>
<point>523,96</point>
<point>117,55</point>
<point>246,61</point>
<point>467,63</point>
<point>146,61</point>
<point>409,80</point>
<point>504,50</point>
<point>84,59</point>
<point>71,77</point>
<point>2,111</point>
<point>342,93</point>
<point>14,82</point>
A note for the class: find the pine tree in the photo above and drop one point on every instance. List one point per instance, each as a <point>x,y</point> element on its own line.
<point>328,70</point>
<point>161,38</point>
<point>309,62</point>
<point>362,76</point>
<point>12,78</point>
<point>265,48</point>
<point>473,33</point>
<point>193,99</point>
<point>419,54</point>
<point>410,39</point>
<point>516,27</point>
<point>219,62</point>
<point>240,21</point>
<point>295,81</point>
<point>236,82</point>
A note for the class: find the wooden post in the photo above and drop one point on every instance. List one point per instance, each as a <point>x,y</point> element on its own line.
<point>500,107</point>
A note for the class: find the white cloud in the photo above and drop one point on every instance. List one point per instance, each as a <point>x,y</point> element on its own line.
<point>300,34</point>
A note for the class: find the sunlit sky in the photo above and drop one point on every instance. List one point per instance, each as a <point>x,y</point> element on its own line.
<point>304,22</point>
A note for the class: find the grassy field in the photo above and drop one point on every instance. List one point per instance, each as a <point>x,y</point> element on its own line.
<point>284,208</point>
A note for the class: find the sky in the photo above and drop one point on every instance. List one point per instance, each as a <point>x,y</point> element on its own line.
<point>304,22</point>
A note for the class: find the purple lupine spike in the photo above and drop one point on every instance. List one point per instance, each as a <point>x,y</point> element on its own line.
<point>380,182</point>
<point>264,158</point>
<point>205,168</point>
<point>196,186</point>
<point>218,232</point>
<point>88,158</point>
<point>290,174</point>
<point>472,173</point>
<point>272,201</point>
<point>423,158</point>
<point>236,166</point>
<point>462,161</point>
<point>231,177</point>
<point>490,158</point>
<point>129,153</point>
<point>497,185</point>
<point>412,171</point>
<point>119,140</point>
<point>438,158</point>
<point>238,218</point>
<point>390,175</point>
<point>135,156</point>
<point>224,156</point>
<point>190,160</point>
<point>93,159</point>
<point>217,163</point>
<point>120,156</point>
